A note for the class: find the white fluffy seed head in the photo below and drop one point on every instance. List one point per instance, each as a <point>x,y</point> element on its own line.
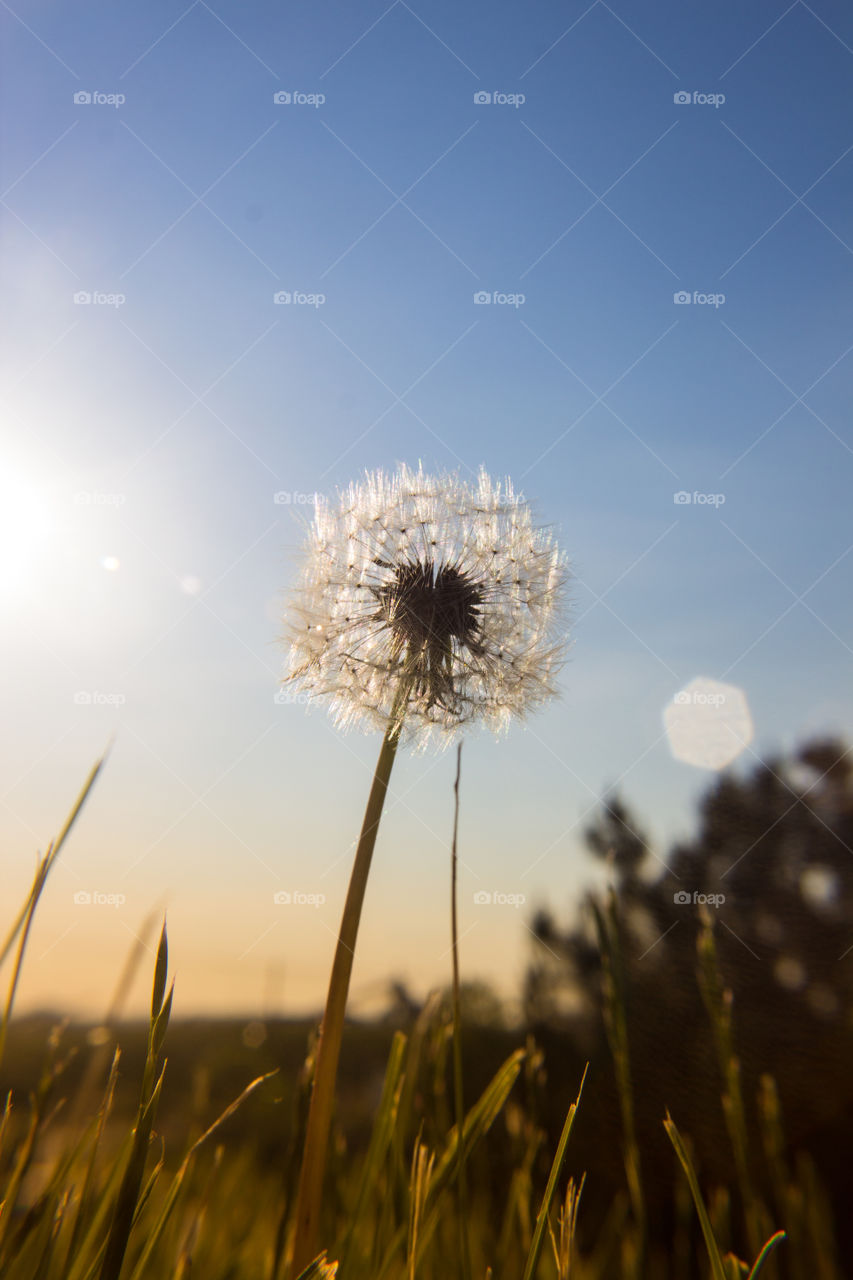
<point>425,597</point>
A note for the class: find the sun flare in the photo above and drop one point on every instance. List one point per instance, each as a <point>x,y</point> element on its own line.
<point>25,528</point>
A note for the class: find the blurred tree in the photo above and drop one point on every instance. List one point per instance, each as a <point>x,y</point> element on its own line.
<point>772,863</point>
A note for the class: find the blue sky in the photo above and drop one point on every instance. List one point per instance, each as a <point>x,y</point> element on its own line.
<point>149,429</point>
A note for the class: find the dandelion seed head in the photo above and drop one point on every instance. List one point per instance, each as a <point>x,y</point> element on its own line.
<point>430,599</point>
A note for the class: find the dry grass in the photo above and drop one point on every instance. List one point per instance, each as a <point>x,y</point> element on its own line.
<point>101,1198</point>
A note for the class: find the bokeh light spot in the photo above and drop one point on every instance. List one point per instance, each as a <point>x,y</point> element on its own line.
<point>708,723</point>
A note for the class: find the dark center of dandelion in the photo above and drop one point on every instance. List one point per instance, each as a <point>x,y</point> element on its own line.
<point>427,608</point>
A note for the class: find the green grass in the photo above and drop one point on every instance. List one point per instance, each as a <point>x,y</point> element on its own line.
<point>93,1187</point>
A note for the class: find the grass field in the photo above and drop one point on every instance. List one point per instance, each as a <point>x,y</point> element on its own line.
<point>116,1163</point>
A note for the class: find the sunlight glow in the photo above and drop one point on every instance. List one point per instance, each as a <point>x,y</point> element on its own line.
<point>25,527</point>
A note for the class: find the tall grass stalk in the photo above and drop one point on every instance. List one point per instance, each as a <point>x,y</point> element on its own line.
<point>564,1248</point>
<point>616,1026</point>
<point>718,1002</point>
<point>128,1198</point>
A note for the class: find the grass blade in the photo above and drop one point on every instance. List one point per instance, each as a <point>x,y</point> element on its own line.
<point>131,1185</point>
<point>24,920</point>
<point>551,1188</point>
<point>711,1245</point>
<point>156,1231</point>
<point>383,1130</point>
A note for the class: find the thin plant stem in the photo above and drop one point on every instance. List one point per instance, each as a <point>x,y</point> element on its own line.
<point>459,1098</point>
<point>310,1193</point>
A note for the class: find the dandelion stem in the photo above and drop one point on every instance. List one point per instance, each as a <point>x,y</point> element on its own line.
<point>310,1193</point>
<point>458,1095</point>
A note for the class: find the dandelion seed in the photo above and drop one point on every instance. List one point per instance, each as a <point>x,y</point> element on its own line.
<point>428,601</point>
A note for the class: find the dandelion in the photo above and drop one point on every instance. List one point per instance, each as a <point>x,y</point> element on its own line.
<point>425,605</point>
